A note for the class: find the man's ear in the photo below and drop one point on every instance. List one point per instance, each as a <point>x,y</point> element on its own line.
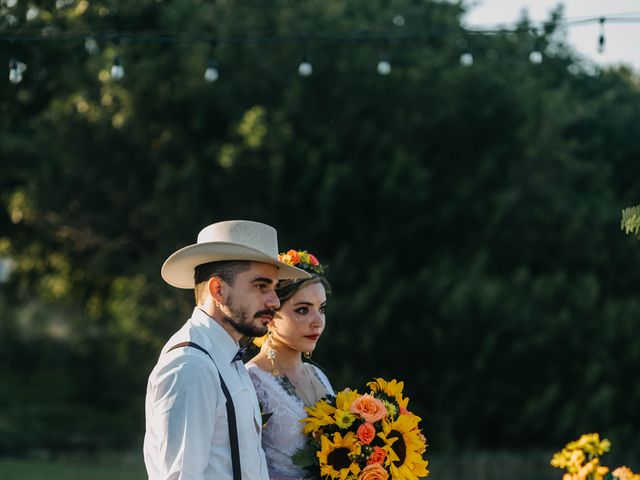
<point>215,287</point>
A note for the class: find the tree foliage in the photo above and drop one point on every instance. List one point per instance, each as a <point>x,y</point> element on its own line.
<point>469,215</point>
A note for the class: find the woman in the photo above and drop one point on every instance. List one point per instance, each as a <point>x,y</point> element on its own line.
<point>284,383</point>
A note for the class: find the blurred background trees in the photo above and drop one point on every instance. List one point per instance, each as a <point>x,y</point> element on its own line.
<point>469,214</point>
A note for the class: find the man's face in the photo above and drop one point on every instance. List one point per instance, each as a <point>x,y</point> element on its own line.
<point>252,300</point>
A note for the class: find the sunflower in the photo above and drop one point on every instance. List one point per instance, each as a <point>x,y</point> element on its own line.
<point>345,398</point>
<point>320,415</point>
<point>337,456</point>
<point>392,389</point>
<point>405,445</point>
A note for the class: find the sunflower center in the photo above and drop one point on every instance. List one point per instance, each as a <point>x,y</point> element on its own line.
<point>399,447</point>
<point>339,458</point>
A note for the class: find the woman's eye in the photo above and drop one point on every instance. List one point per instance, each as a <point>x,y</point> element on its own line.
<point>302,310</point>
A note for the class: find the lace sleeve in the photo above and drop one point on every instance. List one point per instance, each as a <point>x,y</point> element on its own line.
<point>261,392</point>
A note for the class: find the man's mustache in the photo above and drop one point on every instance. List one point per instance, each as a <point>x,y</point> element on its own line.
<point>269,312</point>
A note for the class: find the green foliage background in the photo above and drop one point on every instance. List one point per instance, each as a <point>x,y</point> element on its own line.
<point>470,216</point>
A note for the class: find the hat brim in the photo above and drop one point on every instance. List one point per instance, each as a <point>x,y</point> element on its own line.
<point>179,268</point>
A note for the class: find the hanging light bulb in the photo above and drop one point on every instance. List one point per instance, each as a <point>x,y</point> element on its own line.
<point>384,67</point>
<point>601,36</point>
<point>398,21</point>
<point>305,69</point>
<point>16,69</point>
<point>117,70</point>
<point>211,74</point>
<point>91,46</point>
<point>535,57</point>
<point>466,59</point>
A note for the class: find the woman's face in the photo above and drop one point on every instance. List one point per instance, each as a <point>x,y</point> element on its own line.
<point>300,321</point>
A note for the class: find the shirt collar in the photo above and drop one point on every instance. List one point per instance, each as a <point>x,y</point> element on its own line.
<point>215,334</point>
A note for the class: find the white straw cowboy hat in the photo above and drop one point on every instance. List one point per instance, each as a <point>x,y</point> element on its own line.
<point>232,240</point>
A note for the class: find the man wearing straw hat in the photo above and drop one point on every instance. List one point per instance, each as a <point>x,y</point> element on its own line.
<point>203,420</point>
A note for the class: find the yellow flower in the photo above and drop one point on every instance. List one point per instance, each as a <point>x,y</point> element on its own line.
<point>337,456</point>
<point>405,445</point>
<point>590,443</point>
<point>320,415</point>
<point>572,460</point>
<point>392,389</point>
<point>258,341</point>
<point>344,419</point>
<point>625,473</point>
<point>592,470</point>
<point>304,257</point>
<point>391,408</point>
<point>345,398</point>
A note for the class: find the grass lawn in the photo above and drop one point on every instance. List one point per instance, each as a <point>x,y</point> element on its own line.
<point>11,469</point>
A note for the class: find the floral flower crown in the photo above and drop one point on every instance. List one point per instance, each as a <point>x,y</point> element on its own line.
<point>302,259</point>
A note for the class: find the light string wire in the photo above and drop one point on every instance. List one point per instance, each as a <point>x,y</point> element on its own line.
<point>305,68</point>
<point>38,36</point>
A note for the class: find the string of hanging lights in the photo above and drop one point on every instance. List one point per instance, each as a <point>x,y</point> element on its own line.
<point>92,40</point>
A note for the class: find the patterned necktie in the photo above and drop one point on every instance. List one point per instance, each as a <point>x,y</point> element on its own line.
<point>240,353</point>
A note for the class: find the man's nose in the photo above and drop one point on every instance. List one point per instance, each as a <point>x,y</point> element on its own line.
<point>272,300</point>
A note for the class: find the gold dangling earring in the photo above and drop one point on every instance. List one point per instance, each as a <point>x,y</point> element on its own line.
<point>307,355</point>
<point>271,353</point>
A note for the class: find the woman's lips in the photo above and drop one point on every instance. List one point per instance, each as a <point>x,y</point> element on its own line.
<point>312,337</point>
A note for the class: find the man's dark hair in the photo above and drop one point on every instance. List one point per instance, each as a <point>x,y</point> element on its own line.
<point>226,271</point>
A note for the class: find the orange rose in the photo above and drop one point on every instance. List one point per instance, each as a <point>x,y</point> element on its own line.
<point>366,433</point>
<point>375,471</point>
<point>314,261</point>
<point>371,409</point>
<point>293,256</point>
<point>377,456</point>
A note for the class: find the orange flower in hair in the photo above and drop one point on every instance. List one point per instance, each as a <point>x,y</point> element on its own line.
<point>302,259</point>
<point>294,257</point>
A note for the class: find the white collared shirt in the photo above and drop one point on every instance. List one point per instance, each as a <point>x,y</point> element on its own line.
<point>187,434</point>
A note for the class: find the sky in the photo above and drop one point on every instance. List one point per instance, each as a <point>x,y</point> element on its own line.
<point>622,40</point>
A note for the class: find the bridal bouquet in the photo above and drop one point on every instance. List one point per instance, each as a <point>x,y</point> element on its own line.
<point>581,460</point>
<point>370,436</point>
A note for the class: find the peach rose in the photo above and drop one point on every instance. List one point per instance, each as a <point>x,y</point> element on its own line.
<point>377,456</point>
<point>293,256</point>
<point>284,258</point>
<point>371,409</point>
<point>314,261</point>
<point>366,433</point>
<point>375,471</point>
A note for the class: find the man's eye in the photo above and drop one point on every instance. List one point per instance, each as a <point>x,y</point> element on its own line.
<point>261,286</point>
<point>302,310</point>
<point>322,309</point>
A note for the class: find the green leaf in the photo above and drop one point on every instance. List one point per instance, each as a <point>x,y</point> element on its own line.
<point>631,220</point>
<point>265,417</point>
<point>304,457</point>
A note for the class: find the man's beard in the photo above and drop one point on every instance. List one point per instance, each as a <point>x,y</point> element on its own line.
<point>244,325</point>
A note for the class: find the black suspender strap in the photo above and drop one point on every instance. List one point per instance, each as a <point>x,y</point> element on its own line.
<point>231,413</point>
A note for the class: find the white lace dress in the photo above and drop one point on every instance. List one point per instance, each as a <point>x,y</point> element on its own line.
<point>282,435</point>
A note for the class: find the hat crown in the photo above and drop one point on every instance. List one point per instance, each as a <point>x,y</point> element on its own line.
<point>232,240</point>
<point>254,235</point>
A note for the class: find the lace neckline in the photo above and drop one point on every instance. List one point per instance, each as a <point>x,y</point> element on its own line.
<point>288,386</point>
